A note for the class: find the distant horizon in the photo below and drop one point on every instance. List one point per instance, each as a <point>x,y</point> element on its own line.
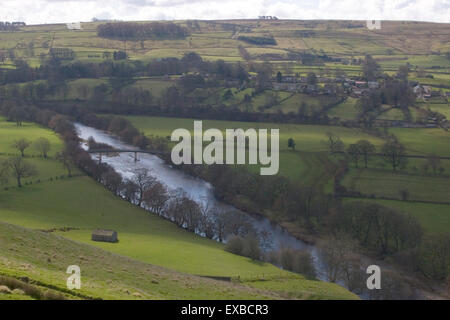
<point>225,19</point>
<point>36,12</point>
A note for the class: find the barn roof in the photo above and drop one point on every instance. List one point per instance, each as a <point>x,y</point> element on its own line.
<point>99,232</point>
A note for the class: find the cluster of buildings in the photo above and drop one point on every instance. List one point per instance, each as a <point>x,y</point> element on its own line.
<point>359,88</point>
<point>427,92</point>
<point>300,84</point>
<point>267,18</point>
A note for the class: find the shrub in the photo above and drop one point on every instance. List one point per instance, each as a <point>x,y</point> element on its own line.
<point>235,245</point>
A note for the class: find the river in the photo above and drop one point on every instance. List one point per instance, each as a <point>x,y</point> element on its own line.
<point>197,189</point>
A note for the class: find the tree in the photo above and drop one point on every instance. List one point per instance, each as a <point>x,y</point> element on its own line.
<point>291,143</point>
<point>156,197</point>
<point>335,143</point>
<point>43,146</point>
<point>227,95</point>
<point>434,162</point>
<point>112,181</point>
<point>366,148</point>
<point>66,159</point>
<point>354,152</point>
<point>394,153</point>
<point>403,72</point>
<point>335,253</point>
<point>17,114</point>
<point>144,181</point>
<point>279,76</point>
<point>235,245</point>
<point>311,78</point>
<point>4,171</point>
<point>404,194</point>
<point>129,190</point>
<point>21,169</point>
<point>21,145</point>
<point>252,249</point>
<point>434,257</point>
<point>371,68</point>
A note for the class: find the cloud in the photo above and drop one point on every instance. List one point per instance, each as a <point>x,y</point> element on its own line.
<point>52,11</point>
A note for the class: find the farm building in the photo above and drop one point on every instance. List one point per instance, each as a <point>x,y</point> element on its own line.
<point>104,236</point>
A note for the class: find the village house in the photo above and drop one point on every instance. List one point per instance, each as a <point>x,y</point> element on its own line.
<point>289,79</point>
<point>361,84</point>
<point>373,84</point>
<point>105,236</point>
<point>422,91</point>
<point>291,87</point>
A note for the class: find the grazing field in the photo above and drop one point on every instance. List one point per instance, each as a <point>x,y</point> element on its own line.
<point>385,183</point>
<point>441,108</point>
<point>346,110</point>
<point>435,218</point>
<point>44,259</point>
<point>309,138</point>
<point>10,132</point>
<point>73,203</point>
<point>424,141</point>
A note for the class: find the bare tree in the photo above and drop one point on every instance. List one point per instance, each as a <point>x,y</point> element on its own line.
<point>335,254</point>
<point>394,153</point>
<point>156,197</point>
<point>21,169</point>
<point>221,225</point>
<point>4,172</point>
<point>144,181</point>
<point>129,191</point>
<point>366,149</point>
<point>21,145</point>
<point>43,146</point>
<point>112,181</point>
<point>434,162</point>
<point>354,151</point>
<point>66,159</point>
<point>334,143</point>
<point>207,223</point>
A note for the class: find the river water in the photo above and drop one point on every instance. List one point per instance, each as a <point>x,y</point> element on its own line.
<point>194,188</point>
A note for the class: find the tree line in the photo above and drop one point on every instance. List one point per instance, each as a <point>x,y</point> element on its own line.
<point>141,31</point>
<point>53,71</point>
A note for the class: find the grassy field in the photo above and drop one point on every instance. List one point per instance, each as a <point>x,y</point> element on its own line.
<point>309,138</point>
<point>83,205</point>
<point>435,218</point>
<point>347,110</point>
<point>385,183</point>
<point>44,258</point>
<point>74,203</point>
<point>213,40</point>
<point>424,141</point>
<point>10,132</point>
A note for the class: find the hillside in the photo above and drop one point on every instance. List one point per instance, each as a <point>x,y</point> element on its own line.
<point>68,208</point>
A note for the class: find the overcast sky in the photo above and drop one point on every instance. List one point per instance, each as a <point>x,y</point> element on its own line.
<point>53,11</point>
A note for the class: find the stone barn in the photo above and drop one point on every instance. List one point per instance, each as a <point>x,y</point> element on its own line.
<point>105,236</point>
